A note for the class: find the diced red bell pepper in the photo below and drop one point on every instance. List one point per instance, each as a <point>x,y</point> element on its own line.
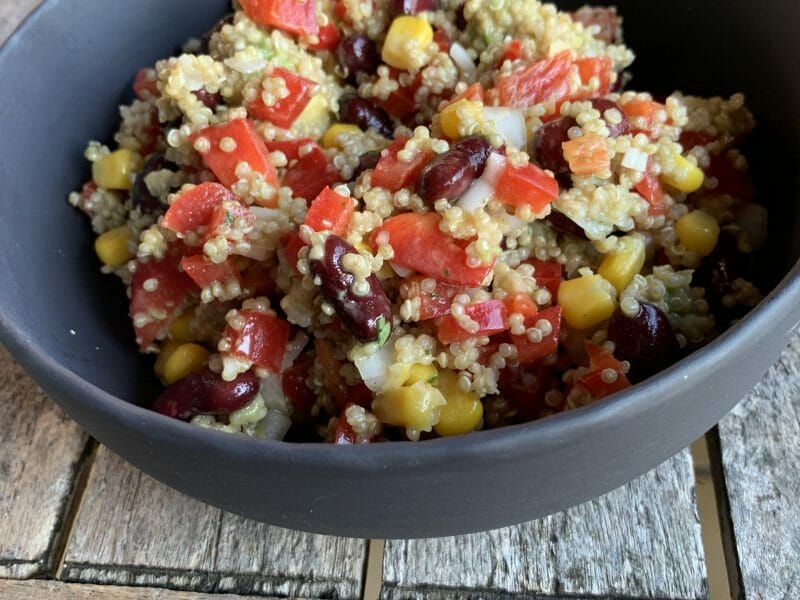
<point>292,244</point>
<point>224,217</point>
<point>526,185</point>
<point>344,435</point>
<point>205,273</point>
<point>330,211</point>
<point>524,387</point>
<point>421,246</point>
<point>643,115</point>
<point>601,360</point>
<point>529,352</point>
<point>548,79</point>
<point>521,304</point>
<point>731,180</point>
<point>650,189</point>
<point>512,51</point>
<point>490,316</point>
<point>393,174</point>
<point>295,16</point>
<point>442,40</point>
<point>474,93</point>
<point>286,110</point>
<point>600,67</point>
<point>250,148</point>
<point>145,86</point>
<point>293,382</point>
<point>165,297</point>
<point>691,139</point>
<point>400,103</point>
<point>329,38</point>
<point>195,207</point>
<point>431,304</point>
<point>313,172</point>
<point>548,274</point>
<point>262,339</point>
<point>290,148</point>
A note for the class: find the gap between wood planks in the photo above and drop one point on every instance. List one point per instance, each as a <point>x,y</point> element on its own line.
<point>711,498</point>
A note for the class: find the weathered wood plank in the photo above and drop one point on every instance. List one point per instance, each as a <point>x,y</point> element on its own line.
<point>640,541</point>
<point>36,590</point>
<point>41,454</point>
<point>12,13</point>
<point>760,448</point>
<point>132,530</point>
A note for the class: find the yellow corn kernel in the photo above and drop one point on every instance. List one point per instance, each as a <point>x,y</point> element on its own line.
<point>586,301</point>
<point>457,113</point>
<point>463,411</point>
<point>115,247</point>
<point>180,328</point>
<point>167,348</point>
<point>331,137</point>
<point>315,118</point>
<point>698,232</point>
<point>686,177</point>
<point>405,42</point>
<point>426,373</point>
<point>185,359</point>
<point>624,263</point>
<point>416,407</point>
<point>114,171</point>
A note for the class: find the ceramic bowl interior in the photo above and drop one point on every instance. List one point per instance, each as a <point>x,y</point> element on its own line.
<point>70,66</point>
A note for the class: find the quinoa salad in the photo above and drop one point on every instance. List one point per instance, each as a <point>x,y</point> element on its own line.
<point>357,221</point>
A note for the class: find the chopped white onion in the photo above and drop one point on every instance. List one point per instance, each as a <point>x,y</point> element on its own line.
<point>482,189</point>
<point>274,426</point>
<point>401,271</point>
<point>293,349</point>
<point>271,391</point>
<point>476,196</point>
<point>375,368</point>
<point>462,58</point>
<point>635,159</point>
<point>510,124</point>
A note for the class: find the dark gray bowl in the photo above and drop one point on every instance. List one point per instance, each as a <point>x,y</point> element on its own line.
<point>63,74</point>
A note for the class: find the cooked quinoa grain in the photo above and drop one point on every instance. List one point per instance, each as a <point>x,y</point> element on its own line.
<point>475,223</point>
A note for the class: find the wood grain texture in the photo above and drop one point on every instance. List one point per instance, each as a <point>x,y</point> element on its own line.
<point>640,541</point>
<point>36,590</point>
<point>11,14</point>
<point>132,530</point>
<point>760,448</point>
<point>40,454</point>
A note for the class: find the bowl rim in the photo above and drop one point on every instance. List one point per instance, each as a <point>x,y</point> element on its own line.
<point>372,457</point>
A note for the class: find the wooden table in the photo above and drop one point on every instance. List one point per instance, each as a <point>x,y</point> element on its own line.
<point>78,522</point>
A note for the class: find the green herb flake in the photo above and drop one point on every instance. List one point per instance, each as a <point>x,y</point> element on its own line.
<point>384,330</point>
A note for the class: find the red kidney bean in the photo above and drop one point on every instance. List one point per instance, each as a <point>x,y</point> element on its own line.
<point>547,145</point>
<point>368,318</point>
<point>140,195</point>
<point>205,392</point>
<point>358,54</point>
<point>206,39</point>
<point>716,275</point>
<point>368,160</point>
<point>461,20</point>
<point>412,7</point>
<point>602,105</point>
<point>564,224</point>
<point>451,173</point>
<point>365,114</point>
<point>208,99</point>
<point>646,341</point>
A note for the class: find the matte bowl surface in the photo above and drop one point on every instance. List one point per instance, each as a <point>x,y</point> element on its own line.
<point>64,73</point>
